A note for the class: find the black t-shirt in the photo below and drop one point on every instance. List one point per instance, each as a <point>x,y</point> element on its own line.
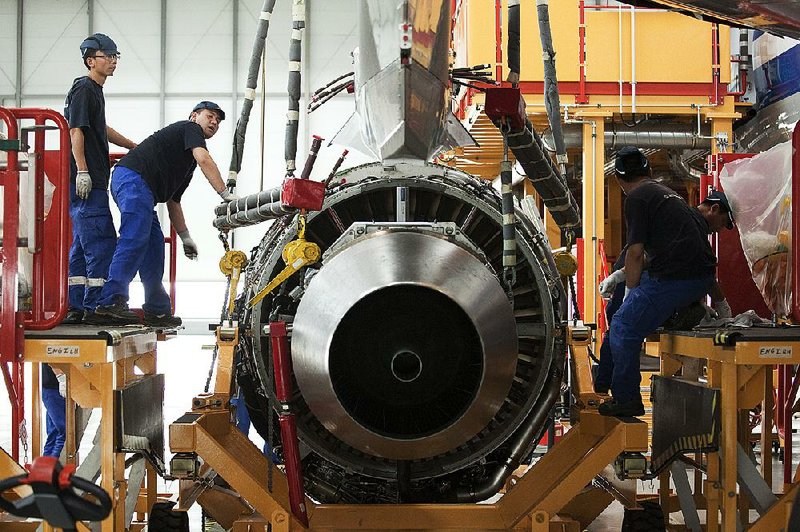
<point>49,379</point>
<point>165,160</point>
<point>675,236</point>
<point>85,108</point>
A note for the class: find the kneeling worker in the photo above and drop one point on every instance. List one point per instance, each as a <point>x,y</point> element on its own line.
<point>157,171</point>
<point>681,270</point>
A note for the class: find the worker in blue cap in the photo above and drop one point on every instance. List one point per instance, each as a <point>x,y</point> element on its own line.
<point>157,171</point>
<point>680,269</point>
<point>93,234</point>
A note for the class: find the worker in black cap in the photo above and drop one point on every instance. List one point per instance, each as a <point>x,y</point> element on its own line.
<point>680,269</point>
<point>715,215</point>
<point>93,234</point>
<point>157,171</point>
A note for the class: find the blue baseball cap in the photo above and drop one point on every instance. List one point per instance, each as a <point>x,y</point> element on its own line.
<point>98,41</point>
<point>631,162</point>
<point>719,197</point>
<point>211,106</point>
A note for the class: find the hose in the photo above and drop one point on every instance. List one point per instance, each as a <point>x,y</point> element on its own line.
<point>249,92</point>
<point>552,102</point>
<point>293,88</point>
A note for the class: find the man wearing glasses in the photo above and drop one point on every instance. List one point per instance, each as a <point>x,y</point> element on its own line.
<point>157,171</point>
<point>93,234</point>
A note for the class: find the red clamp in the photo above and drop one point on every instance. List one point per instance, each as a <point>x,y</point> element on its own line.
<point>506,104</point>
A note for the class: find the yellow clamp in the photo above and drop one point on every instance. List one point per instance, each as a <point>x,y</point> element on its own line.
<point>231,265</point>
<point>566,263</point>
<point>297,254</point>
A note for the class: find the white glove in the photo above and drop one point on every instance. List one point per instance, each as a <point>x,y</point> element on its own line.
<point>227,196</point>
<point>83,185</point>
<point>723,309</point>
<point>610,283</point>
<point>62,384</point>
<point>189,247</point>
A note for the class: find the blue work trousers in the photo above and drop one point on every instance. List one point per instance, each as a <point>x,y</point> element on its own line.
<point>645,309</point>
<point>93,241</point>
<point>243,424</point>
<point>605,370</point>
<point>140,247</point>
<point>55,423</point>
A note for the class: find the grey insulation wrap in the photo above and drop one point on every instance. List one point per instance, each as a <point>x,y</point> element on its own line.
<point>552,101</point>
<point>530,152</point>
<point>268,211</point>
<point>293,87</point>
<point>249,202</point>
<point>249,95</point>
<point>512,48</point>
<point>509,219</point>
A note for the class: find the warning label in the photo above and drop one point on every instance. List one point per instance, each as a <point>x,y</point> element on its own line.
<point>63,351</point>
<point>775,352</point>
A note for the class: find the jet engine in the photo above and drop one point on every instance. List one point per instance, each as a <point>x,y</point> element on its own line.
<point>420,372</point>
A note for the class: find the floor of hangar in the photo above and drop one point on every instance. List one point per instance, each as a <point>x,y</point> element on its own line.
<point>185,361</point>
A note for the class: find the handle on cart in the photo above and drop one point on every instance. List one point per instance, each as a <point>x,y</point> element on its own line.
<point>54,498</point>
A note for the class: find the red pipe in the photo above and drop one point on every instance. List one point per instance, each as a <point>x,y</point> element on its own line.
<point>581,97</point>
<point>580,288</point>
<point>742,84</point>
<point>283,393</point>
<point>38,214</point>
<point>10,348</point>
<point>795,224</point>
<point>715,69</point>
<point>786,405</point>
<point>173,266</point>
<point>498,36</point>
<point>602,326</point>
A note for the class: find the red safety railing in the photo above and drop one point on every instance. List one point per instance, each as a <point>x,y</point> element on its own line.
<point>49,249</point>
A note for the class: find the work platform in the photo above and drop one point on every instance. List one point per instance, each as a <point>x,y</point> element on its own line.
<point>739,362</point>
<point>107,368</point>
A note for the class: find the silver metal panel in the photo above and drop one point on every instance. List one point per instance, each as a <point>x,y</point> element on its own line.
<point>684,491</point>
<point>391,259</point>
<point>752,483</point>
<point>401,85</point>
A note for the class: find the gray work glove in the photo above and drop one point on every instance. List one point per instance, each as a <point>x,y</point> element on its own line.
<point>723,309</point>
<point>609,284</point>
<point>227,196</point>
<point>189,247</point>
<point>83,184</point>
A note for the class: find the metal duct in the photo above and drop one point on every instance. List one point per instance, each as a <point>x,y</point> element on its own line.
<point>647,134</point>
<point>530,152</point>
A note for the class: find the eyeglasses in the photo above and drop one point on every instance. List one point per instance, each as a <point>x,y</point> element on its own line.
<point>109,57</point>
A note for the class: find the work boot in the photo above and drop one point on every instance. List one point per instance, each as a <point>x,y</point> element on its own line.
<point>612,407</point>
<point>151,319</point>
<point>74,317</point>
<point>116,314</point>
<point>91,318</point>
<point>600,388</point>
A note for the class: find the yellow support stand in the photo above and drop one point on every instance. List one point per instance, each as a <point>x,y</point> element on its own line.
<point>95,372</point>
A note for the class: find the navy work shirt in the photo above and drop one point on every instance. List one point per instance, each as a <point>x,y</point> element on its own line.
<point>85,108</point>
<point>49,379</point>
<point>165,160</point>
<point>674,235</point>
